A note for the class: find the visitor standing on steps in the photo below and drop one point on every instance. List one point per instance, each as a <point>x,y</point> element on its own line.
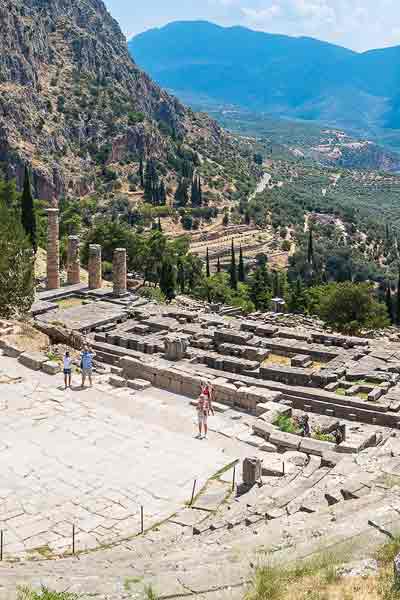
<point>204,408</point>
<point>67,370</point>
<point>87,357</point>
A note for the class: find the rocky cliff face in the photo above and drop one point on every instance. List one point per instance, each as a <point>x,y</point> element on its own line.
<point>72,101</point>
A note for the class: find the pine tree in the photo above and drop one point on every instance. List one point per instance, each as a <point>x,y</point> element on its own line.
<point>181,277</point>
<point>168,280</point>
<point>207,264</point>
<point>16,266</point>
<point>233,273</point>
<point>28,217</point>
<point>389,303</point>
<point>218,265</point>
<point>241,271</point>
<point>141,174</point>
<point>310,253</point>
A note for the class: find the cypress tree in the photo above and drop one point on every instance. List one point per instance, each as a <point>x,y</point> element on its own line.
<point>182,193</point>
<point>155,195</point>
<point>310,253</point>
<point>162,194</point>
<point>168,280</point>
<point>149,181</point>
<point>276,291</point>
<point>389,303</point>
<point>194,193</point>
<point>218,266</point>
<point>159,224</point>
<point>181,277</point>
<point>207,264</point>
<point>387,232</point>
<point>199,193</point>
<point>297,298</point>
<point>141,174</point>
<point>233,274</point>
<point>241,271</point>
<point>28,217</point>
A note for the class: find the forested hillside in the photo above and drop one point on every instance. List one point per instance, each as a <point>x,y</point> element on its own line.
<point>77,109</point>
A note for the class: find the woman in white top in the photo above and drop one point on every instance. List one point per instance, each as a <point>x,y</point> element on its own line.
<point>67,370</point>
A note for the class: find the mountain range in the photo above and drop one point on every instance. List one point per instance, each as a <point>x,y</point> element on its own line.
<point>292,77</point>
<point>76,108</point>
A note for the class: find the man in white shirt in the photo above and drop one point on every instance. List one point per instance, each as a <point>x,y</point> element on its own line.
<point>67,370</point>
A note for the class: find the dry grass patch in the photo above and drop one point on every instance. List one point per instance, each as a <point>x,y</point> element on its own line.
<point>277,359</point>
<point>27,339</point>
<point>320,579</point>
<point>65,303</point>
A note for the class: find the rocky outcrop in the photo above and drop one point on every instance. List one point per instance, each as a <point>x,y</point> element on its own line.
<point>72,101</point>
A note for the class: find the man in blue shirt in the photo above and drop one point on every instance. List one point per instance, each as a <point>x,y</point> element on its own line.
<point>87,365</point>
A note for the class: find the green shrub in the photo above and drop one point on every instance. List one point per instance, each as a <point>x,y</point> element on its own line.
<point>152,293</point>
<point>286,424</point>
<point>26,593</point>
<point>322,437</point>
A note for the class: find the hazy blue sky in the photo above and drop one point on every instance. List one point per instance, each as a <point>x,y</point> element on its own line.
<point>357,24</point>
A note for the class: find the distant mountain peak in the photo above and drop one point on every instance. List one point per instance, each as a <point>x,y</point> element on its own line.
<point>295,77</point>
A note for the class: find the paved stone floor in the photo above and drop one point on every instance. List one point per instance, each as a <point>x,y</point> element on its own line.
<point>92,458</point>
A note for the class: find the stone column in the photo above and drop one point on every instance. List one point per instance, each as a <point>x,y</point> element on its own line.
<point>53,250</point>
<point>73,261</point>
<point>95,274</point>
<point>119,271</point>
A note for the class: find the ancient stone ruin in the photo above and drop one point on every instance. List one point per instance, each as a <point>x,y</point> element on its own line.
<point>303,449</point>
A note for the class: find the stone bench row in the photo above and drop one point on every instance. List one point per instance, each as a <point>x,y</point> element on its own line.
<point>247,352</point>
<point>248,393</point>
<point>332,409</point>
<point>163,375</point>
<point>291,441</point>
<point>231,364</point>
<point>147,345</point>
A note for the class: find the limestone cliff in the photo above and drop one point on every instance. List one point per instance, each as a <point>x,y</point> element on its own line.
<point>72,101</point>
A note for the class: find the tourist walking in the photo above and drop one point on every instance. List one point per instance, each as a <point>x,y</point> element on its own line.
<point>204,408</point>
<point>67,369</point>
<point>87,357</point>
